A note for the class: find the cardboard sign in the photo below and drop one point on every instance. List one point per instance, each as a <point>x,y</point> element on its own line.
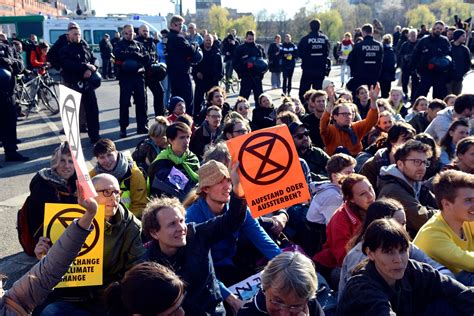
<point>247,288</point>
<point>270,170</point>
<point>86,270</point>
<point>69,104</point>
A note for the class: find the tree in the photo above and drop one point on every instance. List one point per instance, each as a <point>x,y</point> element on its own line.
<point>218,20</point>
<point>420,15</point>
<point>331,24</point>
<point>446,9</point>
<point>299,25</point>
<point>243,24</point>
<point>392,15</point>
<point>363,14</point>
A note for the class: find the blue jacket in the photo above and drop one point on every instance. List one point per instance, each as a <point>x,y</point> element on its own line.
<point>223,251</point>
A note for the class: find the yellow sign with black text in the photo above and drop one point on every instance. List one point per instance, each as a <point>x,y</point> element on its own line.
<point>86,270</point>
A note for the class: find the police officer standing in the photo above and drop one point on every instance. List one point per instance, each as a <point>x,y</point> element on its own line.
<point>178,60</point>
<point>79,73</point>
<point>106,49</point>
<point>9,68</point>
<point>208,72</point>
<point>313,50</point>
<point>132,58</point>
<point>150,81</point>
<point>365,60</point>
<point>431,61</point>
<point>245,60</point>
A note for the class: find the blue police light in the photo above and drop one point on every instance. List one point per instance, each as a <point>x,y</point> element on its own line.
<point>136,17</point>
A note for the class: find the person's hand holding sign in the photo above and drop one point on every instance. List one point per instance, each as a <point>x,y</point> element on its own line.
<point>234,177</point>
<point>91,207</point>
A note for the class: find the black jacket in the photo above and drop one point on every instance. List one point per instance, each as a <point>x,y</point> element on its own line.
<point>106,48</point>
<point>316,159</point>
<point>211,66</point>
<point>365,59</point>
<point>427,48</point>
<point>10,63</point>
<point>149,46</point>
<point>274,59</point>
<point>312,122</point>
<point>179,52</point>
<point>404,55</point>
<point>53,53</point>
<point>263,117</point>
<point>134,50</point>
<point>243,54</point>
<point>462,61</point>
<point>291,52</point>
<point>202,138</point>
<point>389,63</point>
<point>313,50</point>
<point>193,262</point>
<point>367,293</point>
<point>73,58</point>
<point>228,48</point>
<point>420,122</point>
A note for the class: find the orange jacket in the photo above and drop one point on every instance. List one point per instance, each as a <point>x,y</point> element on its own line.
<point>334,137</point>
<point>37,60</point>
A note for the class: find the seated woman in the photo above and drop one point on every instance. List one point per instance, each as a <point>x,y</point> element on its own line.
<point>136,293</point>
<point>242,106</point>
<point>358,194</point>
<point>464,152</point>
<point>289,284</point>
<point>390,283</point>
<point>56,184</point>
<point>264,114</point>
<point>457,130</point>
<point>382,208</point>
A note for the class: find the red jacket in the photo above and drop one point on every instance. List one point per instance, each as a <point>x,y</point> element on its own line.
<point>342,226</point>
<point>38,60</point>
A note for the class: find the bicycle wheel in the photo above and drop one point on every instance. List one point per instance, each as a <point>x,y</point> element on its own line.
<point>49,99</point>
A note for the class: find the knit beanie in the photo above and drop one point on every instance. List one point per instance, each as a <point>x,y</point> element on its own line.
<point>457,34</point>
<point>173,102</point>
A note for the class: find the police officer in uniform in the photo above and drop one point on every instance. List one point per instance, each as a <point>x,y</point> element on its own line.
<point>365,60</point>
<point>208,72</point>
<point>427,50</point>
<point>178,60</point>
<point>313,49</point>
<point>132,58</point>
<point>244,61</point>
<point>9,68</point>
<point>151,82</point>
<point>78,70</point>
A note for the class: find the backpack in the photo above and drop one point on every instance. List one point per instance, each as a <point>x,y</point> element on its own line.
<point>27,240</point>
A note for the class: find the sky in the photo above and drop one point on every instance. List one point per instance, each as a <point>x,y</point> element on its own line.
<point>153,7</point>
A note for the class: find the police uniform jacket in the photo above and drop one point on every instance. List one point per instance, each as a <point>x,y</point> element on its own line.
<point>73,59</point>
<point>427,48</point>
<point>179,52</point>
<point>314,50</point>
<point>10,63</point>
<point>150,46</point>
<point>210,66</point>
<point>126,50</point>
<point>243,55</point>
<point>366,58</point>
<point>404,55</point>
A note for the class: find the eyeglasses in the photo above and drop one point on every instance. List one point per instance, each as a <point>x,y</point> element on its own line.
<point>419,162</point>
<point>240,131</point>
<point>346,114</point>
<point>108,193</point>
<point>301,135</point>
<point>293,309</point>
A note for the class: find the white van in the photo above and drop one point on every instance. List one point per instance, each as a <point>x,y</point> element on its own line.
<point>92,28</point>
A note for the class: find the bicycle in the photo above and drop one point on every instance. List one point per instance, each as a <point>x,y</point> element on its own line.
<point>231,84</point>
<point>42,88</point>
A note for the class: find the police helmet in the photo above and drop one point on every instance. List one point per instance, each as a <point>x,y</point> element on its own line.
<point>197,56</point>
<point>94,81</point>
<point>158,71</point>
<point>441,64</point>
<point>260,66</point>
<point>130,66</point>
<point>5,80</point>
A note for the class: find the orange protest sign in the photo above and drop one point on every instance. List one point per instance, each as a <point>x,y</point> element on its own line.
<point>270,171</point>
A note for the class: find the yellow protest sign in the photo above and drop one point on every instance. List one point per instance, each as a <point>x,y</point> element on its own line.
<point>271,173</point>
<point>86,270</point>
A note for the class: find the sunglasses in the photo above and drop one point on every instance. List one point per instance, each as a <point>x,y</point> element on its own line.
<point>301,135</point>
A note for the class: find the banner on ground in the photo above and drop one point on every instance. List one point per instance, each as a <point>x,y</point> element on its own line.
<point>69,105</point>
<point>87,268</point>
<point>270,170</point>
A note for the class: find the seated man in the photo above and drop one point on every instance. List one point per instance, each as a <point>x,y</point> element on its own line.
<point>422,120</point>
<point>211,200</point>
<point>174,171</point>
<point>448,237</point>
<point>315,157</point>
<point>402,181</point>
<point>344,133</point>
<point>185,247</point>
<point>122,249</point>
<point>132,182</point>
<point>208,133</point>
<point>316,106</point>
<point>384,124</point>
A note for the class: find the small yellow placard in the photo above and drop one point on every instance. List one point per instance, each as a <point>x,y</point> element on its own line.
<point>86,270</point>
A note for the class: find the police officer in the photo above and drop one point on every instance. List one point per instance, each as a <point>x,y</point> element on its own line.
<point>429,49</point>
<point>229,44</point>
<point>106,54</point>
<point>365,60</point>
<point>151,82</point>
<point>245,56</point>
<point>179,52</point>
<point>132,58</point>
<point>9,68</point>
<point>314,51</point>
<point>76,61</point>
<point>207,73</point>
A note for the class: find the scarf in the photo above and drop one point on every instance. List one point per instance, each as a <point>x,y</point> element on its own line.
<point>188,160</point>
<point>121,168</point>
<point>50,175</point>
<point>350,131</point>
